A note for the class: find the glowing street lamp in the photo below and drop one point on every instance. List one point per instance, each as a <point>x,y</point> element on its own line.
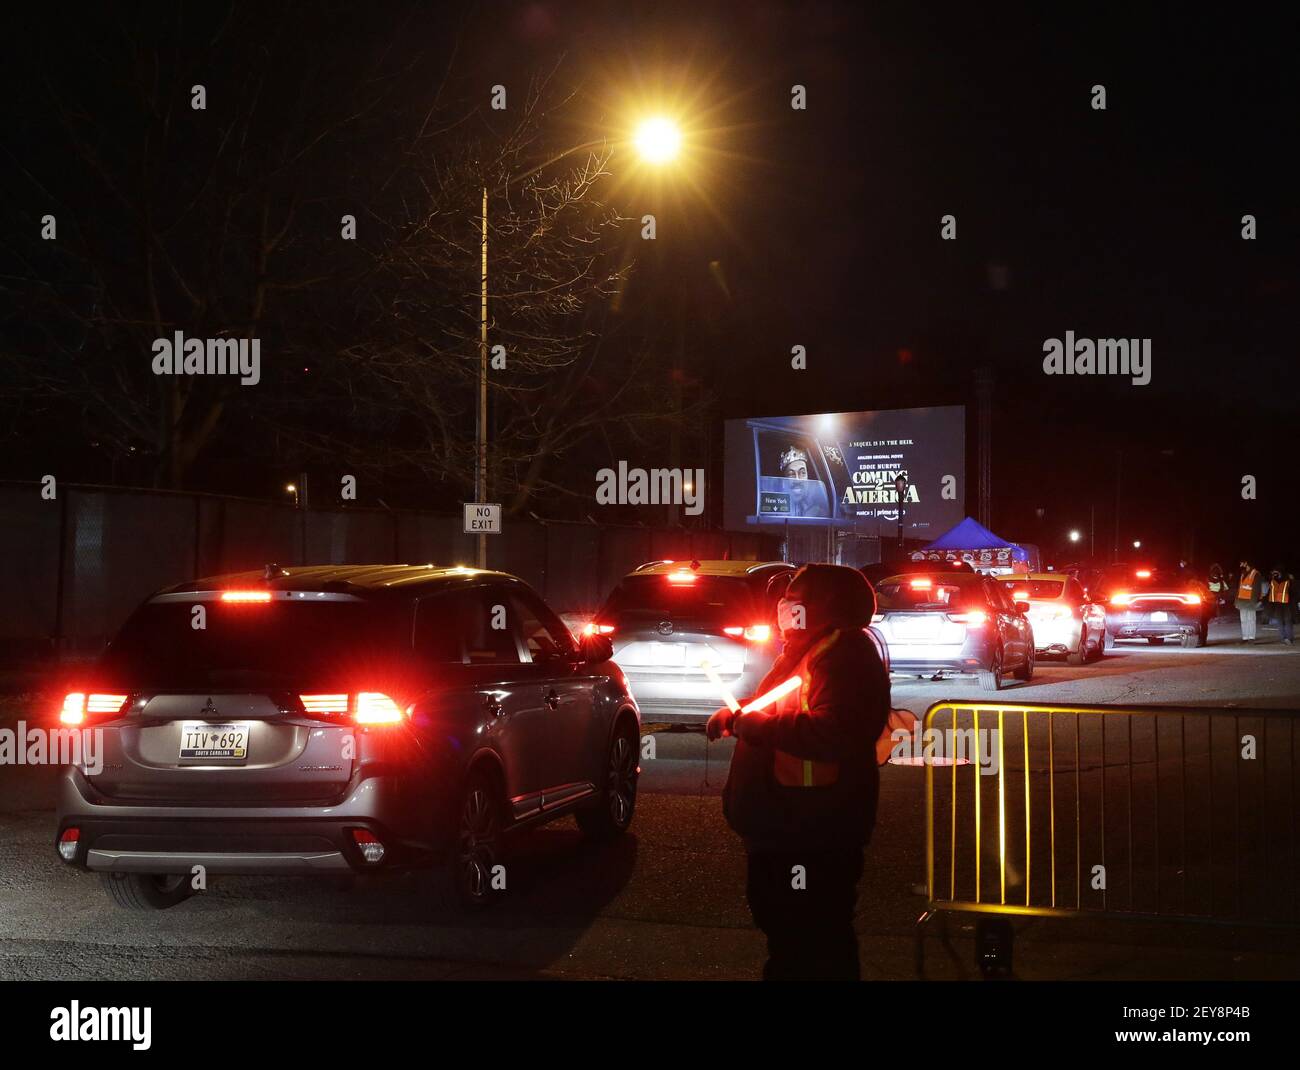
<point>658,140</point>
<point>1137,544</point>
<point>1075,536</point>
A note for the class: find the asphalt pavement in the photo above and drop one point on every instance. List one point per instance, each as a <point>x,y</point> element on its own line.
<point>666,902</point>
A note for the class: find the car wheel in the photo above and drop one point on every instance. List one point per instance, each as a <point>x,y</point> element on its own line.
<point>1098,650</point>
<point>147,891</point>
<point>1026,672</point>
<point>1079,656</point>
<point>478,842</point>
<point>1107,641</point>
<point>612,815</point>
<point>991,678</point>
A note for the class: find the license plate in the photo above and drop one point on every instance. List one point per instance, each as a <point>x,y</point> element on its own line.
<point>918,627</point>
<point>218,742</point>
<point>667,653</point>
<point>1159,615</point>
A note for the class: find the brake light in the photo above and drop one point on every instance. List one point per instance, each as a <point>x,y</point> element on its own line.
<point>1121,599</point>
<point>325,703</point>
<point>245,596</point>
<point>366,707</point>
<point>1191,599</point>
<point>923,584</point>
<point>974,619</point>
<point>77,705</point>
<point>1143,573</point>
<point>755,633</point>
<point>681,578</point>
<point>592,628</point>
<point>374,707</point>
<point>1020,596</point>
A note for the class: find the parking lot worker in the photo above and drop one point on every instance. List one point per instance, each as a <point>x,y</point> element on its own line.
<point>1248,596</point>
<point>803,783</point>
<point>1280,597</point>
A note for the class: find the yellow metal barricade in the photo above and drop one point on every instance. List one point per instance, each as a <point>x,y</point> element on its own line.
<point>1137,812</point>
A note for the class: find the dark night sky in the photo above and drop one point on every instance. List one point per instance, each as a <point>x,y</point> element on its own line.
<point>825,224</point>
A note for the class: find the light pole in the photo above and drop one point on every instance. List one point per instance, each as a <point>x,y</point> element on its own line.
<point>658,141</point>
<point>900,487</point>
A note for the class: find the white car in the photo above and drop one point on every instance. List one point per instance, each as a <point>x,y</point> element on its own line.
<point>1066,621</point>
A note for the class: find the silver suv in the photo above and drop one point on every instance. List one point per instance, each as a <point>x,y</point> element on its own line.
<point>668,617</point>
<point>340,719</point>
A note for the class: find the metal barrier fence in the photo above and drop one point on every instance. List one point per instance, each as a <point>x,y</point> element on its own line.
<point>76,565</point>
<point>1114,812</point>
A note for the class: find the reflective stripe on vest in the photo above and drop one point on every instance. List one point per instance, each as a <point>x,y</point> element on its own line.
<point>1283,595</point>
<point>791,771</point>
<point>1247,588</point>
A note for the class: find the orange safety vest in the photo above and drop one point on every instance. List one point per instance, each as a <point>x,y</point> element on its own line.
<point>789,770</point>
<point>1283,594</point>
<point>1247,588</point>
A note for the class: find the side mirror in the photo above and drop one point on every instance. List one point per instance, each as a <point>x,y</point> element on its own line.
<point>1022,608</point>
<point>595,648</point>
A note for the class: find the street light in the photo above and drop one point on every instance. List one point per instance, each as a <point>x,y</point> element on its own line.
<point>1075,536</point>
<point>292,488</point>
<point>658,139</point>
<point>1137,544</point>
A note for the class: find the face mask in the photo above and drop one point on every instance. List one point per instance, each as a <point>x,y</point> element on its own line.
<point>786,620</point>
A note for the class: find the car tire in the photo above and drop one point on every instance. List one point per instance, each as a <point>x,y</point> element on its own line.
<point>611,815</point>
<point>147,891</point>
<point>1026,672</point>
<point>991,678</point>
<point>1079,656</point>
<point>1098,650</point>
<point>479,829</point>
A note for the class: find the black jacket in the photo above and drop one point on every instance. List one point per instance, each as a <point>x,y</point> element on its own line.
<point>834,721</point>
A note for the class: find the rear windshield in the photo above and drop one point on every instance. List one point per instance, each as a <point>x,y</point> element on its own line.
<point>703,598</point>
<point>922,592</point>
<point>1034,588</point>
<point>257,645</point>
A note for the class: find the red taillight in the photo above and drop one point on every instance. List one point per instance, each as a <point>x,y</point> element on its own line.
<point>326,704</point>
<point>922,584</point>
<point>374,707</point>
<point>755,633</point>
<point>1020,596</point>
<point>592,628</point>
<point>974,619</point>
<point>1192,599</point>
<point>245,596</point>
<point>681,578</point>
<point>369,846</point>
<point>365,707</point>
<point>1143,573</point>
<point>77,706</point>
<point>68,844</point>
<point>1121,599</point>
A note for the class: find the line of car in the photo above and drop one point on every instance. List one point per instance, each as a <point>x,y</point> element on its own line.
<point>352,719</point>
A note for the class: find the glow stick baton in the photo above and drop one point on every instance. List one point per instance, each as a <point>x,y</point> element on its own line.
<point>716,681</point>
<point>769,697</point>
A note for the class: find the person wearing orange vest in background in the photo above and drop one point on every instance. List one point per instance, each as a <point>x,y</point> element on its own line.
<point>803,782</point>
<point>1248,595</point>
<point>1280,596</point>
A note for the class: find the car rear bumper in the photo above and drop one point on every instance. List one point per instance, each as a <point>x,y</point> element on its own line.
<point>1140,625</point>
<point>1053,636</point>
<point>248,840</point>
<point>918,659</point>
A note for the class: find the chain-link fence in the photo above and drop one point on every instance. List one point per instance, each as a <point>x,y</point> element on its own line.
<point>77,564</point>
